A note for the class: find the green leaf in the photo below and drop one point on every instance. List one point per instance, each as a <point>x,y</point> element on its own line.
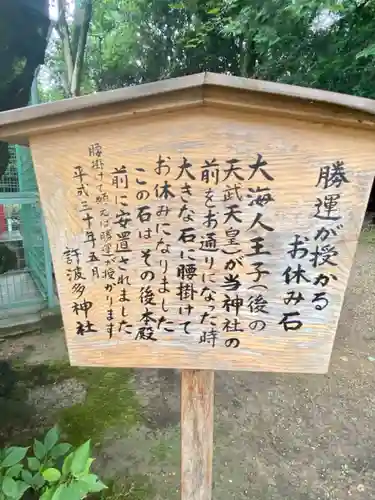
<point>14,470</point>
<point>9,487</point>
<point>13,455</point>
<point>177,5</point>
<point>74,492</point>
<point>88,465</point>
<point>51,438</point>
<point>60,449</point>
<point>51,475</point>
<point>93,482</point>
<point>22,487</point>
<point>80,458</point>
<point>58,494</point>
<point>39,449</point>
<point>48,494</point>
<point>368,51</point>
<point>33,463</point>
<point>38,480</point>
<point>67,464</point>
<point>27,476</point>
<point>67,492</point>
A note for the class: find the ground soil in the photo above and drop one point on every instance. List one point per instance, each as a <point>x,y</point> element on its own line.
<point>276,437</point>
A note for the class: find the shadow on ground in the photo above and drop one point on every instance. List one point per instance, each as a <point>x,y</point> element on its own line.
<point>276,437</point>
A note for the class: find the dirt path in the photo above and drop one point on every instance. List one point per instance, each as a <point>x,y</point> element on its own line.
<point>276,437</point>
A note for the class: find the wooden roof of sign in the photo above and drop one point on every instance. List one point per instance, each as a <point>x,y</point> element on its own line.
<point>205,222</point>
<point>207,89</point>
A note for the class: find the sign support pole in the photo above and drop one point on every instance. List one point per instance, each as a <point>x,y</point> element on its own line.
<point>197,411</point>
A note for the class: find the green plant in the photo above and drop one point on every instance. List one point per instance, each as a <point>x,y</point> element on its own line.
<point>53,472</point>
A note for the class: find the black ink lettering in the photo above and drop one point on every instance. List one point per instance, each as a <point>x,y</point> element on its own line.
<point>86,327</point>
<point>209,195</point>
<point>232,192</point>
<point>295,275</point>
<point>164,288</point>
<point>290,324</point>
<point>323,279</point>
<point>327,209</point>
<point>125,327</point>
<point>209,243</point>
<point>186,291</point>
<point>75,274</point>
<point>95,149</point>
<point>293,296</point>
<point>185,169</point>
<point>163,211</point>
<point>232,325</point>
<point>71,254</point>
<point>147,296</point>
<point>83,306</point>
<point>209,220</point>
<point>142,195</point>
<point>257,304</point>
<point>186,190</point>
<point>147,275</point>
<point>257,166</point>
<point>258,220</point>
<point>144,214</point>
<point>186,213</point>
<point>320,300</point>
<point>231,282</point>
<point>187,235</point>
<point>298,247</point>
<point>187,271</point>
<point>257,325</point>
<point>209,337</point>
<point>332,175</point>
<point>323,233</point>
<point>161,165</point>
<point>233,263</point>
<point>232,213</point>
<point>210,171</point>
<point>208,294</point>
<point>233,170</point>
<point>78,289</point>
<point>120,177</point>
<point>232,343</point>
<point>145,333</point>
<point>323,255</point>
<point>232,303</point>
<point>258,271</point>
<point>257,247</point>
<point>139,182</point>
<point>257,198</point>
<point>164,191</point>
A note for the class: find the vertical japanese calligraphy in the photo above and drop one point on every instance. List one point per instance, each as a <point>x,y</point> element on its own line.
<point>185,250</point>
<point>314,256</point>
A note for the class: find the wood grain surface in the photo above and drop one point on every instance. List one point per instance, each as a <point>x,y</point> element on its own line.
<point>197,422</point>
<point>298,155</point>
<point>178,93</point>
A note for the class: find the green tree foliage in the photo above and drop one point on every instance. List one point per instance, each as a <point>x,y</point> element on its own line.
<point>327,44</point>
<point>23,38</point>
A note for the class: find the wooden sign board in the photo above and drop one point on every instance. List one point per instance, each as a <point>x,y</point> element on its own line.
<point>205,222</point>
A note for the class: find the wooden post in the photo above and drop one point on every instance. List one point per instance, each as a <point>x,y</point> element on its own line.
<point>197,411</point>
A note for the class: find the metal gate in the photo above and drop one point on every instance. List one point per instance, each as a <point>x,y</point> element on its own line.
<point>26,275</point>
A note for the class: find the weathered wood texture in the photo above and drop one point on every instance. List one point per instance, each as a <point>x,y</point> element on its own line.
<point>197,414</point>
<point>296,152</point>
<point>186,92</point>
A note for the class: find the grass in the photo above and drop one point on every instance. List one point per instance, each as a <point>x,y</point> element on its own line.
<point>109,403</point>
<point>135,488</point>
<point>367,235</point>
